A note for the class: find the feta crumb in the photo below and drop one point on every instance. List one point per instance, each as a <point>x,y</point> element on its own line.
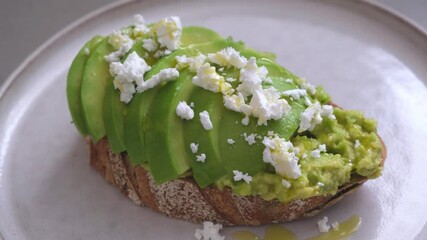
<point>250,139</point>
<point>139,26</point>
<point>307,101</point>
<point>184,111</point>
<point>193,63</point>
<point>271,134</point>
<point>86,51</point>
<point>335,226</point>
<point>251,78</point>
<point>308,86</point>
<point>159,54</point>
<point>280,154</point>
<point>122,43</point>
<point>315,153</point>
<point>357,143</point>
<point>209,79</point>
<point>125,74</point>
<point>230,141</point>
<point>205,120</point>
<point>304,156</point>
<point>267,105</point>
<point>286,183</point>
<point>320,184</point>
<point>295,93</point>
<point>228,57</point>
<point>169,31</point>
<point>194,147</point>
<point>210,231</point>
<point>238,176</point>
<point>323,225</point>
<point>230,79</point>
<point>192,104</point>
<point>322,148</point>
<point>289,80</point>
<point>313,115</point>
<point>296,150</point>
<point>221,69</point>
<point>165,75</point>
<point>201,158</point>
<point>149,44</point>
<point>245,120</point>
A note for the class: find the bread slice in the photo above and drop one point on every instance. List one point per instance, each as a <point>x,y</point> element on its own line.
<point>183,199</point>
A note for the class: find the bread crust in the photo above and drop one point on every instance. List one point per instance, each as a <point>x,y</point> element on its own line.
<point>183,199</point>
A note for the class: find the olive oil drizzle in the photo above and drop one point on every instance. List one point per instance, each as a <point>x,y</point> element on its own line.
<point>276,232</point>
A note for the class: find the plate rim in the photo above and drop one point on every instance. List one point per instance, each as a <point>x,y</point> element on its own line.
<point>73,26</point>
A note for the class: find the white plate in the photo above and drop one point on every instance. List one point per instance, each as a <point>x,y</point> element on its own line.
<point>366,57</point>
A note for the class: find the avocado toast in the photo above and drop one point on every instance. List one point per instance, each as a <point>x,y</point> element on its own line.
<point>203,128</point>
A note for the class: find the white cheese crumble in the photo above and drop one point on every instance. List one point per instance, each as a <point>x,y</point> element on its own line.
<point>150,45</point>
<point>201,158</point>
<point>209,79</point>
<point>295,93</point>
<point>357,143</point>
<point>335,226</point>
<point>288,80</point>
<point>286,183</point>
<point>315,153</point>
<point>194,147</point>
<point>313,115</point>
<point>165,75</point>
<point>205,120</point>
<point>308,86</point>
<point>280,154</point>
<point>228,57</point>
<point>86,51</point>
<point>184,111</point>
<point>250,138</point>
<point>125,74</point>
<point>322,147</point>
<point>266,105</point>
<point>323,225</point>
<point>320,184</point>
<point>210,231</point>
<point>122,43</point>
<point>230,79</point>
<point>230,141</point>
<point>193,63</point>
<point>245,120</point>
<point>238,176</point>
<point>251,78</point>
<point>169,31</point>
<point>140,28</point>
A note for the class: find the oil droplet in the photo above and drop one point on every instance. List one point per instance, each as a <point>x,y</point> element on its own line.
<point>346,229</point>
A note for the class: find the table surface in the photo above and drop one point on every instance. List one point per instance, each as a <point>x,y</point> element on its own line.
<point>29,23</point>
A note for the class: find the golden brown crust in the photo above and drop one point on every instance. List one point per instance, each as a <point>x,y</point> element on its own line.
<point>183,199</point>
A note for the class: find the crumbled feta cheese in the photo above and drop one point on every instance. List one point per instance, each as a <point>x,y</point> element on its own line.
<point>357,143</point>
<point>149,44</point>
<point>286,183</point>
<point>192,104</point>
<point>221,69</point>
<point>245,120</point>
<point>322,148</point>
<point>86,51</point>
<point>308,86</point>
<point>315,153</point>
<point>194,147</point>
<point>271,134</point>
<point>304,156</point>
<point>280,154</point>
<point>139,26</point>
<point>236,102</point>
<point>323,225</point>
<point>125,74</point>
<point>193,63</point>
<point>122,43</point>
<point>210,231</point>
<point>320,184</point>
<point>230,79</point>
<point>165,75</point>
<point>230,141</point>
<point>295,93</point>
<point>168,31</point>
<point>184,111</point>
<point>250,139</point>
<point>267,105</point>
<point>313,116</point>
<point>296,150</point>
<point>289,80</point>
<point>201,158</point>
<point>205,120</point>
<point>159,54</point>
<point>228,57</point>
<point>238,176</point>
<point>307,101</point>
<point>209,79</point>
<point>335,226</point>
<point>251,78</point>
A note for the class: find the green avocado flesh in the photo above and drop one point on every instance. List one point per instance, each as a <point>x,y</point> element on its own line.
<point>150,131</point>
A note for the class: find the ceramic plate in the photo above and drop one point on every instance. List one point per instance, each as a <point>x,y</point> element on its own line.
<point>367,58</point>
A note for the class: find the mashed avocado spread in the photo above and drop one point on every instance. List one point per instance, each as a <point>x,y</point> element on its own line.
<point>184,101</point>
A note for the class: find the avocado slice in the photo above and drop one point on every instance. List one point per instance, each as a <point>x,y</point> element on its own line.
<point>137,109</point>
<point>74,83</point>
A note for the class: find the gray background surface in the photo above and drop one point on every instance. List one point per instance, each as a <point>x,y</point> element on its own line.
<point>26,24</point>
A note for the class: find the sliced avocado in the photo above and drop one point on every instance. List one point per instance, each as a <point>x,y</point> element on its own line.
<point>74,82</point>
<point>137,109</point>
